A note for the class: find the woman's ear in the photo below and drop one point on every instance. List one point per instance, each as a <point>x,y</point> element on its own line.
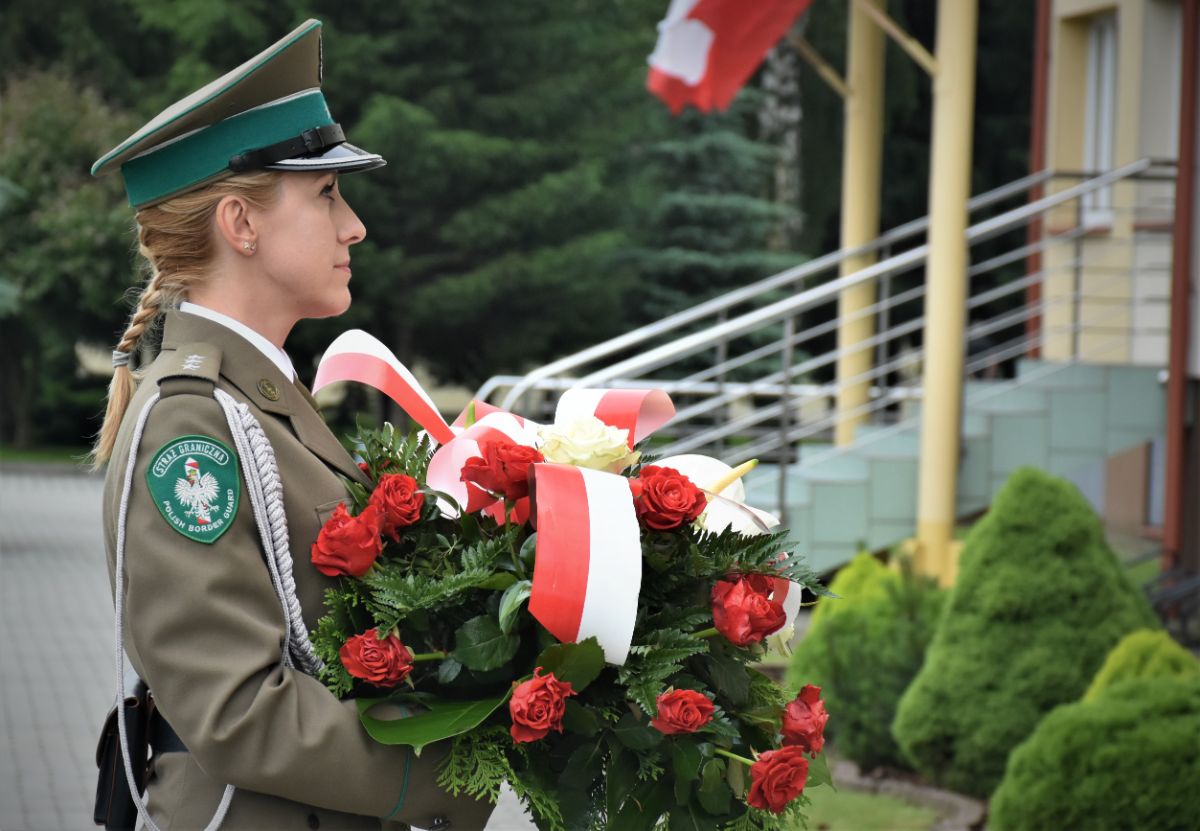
<point>236,225</point>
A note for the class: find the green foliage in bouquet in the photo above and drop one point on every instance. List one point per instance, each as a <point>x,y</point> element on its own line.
<point>863,650</point>
<point>665,740</point>
<point>1040,600</point>
<point>1146,653</point>
<point>1127,758</point>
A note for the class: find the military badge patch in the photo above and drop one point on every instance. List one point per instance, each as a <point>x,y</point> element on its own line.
<point>194,482</point>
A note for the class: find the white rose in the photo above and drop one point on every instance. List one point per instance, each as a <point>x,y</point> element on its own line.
<point>587,442</point>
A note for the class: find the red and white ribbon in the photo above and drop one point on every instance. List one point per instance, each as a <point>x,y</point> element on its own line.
<point>588,566</point>
<point>357,356</point>
<point>640,412</point>
<point>789,594</point>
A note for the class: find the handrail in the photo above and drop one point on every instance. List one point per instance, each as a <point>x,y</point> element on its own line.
<point>768,384</point>
<point>725,330</point>
<point>782,370</point>
<point>1019,346</point>
<point>705,339</point>
<point>740,295</point>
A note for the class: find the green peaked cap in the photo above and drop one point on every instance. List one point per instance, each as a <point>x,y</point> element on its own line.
<point>269,113</point>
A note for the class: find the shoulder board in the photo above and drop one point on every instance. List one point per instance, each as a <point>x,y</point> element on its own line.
<point>190,362</point>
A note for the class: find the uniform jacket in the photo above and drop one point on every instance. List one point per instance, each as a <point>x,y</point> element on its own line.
<point>203,625</point>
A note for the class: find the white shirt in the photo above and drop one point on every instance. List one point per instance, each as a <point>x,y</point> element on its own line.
<point>277,355</point>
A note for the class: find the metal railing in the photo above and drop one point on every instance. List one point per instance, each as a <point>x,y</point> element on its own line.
<point>694,354</point>
<point>721,305</point>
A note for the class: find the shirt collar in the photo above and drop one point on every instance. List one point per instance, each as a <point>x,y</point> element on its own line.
<point>273,352</point>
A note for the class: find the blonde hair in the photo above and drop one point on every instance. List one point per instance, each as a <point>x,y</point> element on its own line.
<point>176,240</point>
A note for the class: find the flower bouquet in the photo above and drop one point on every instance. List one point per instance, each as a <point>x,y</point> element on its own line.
<point>578,620</point>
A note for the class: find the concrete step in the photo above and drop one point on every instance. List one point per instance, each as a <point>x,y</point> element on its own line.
<point>975,473</point>
<point>762,486</point>
<point>903,443</point>
<point>1137,403</point>
<point>840,514</point>
<point>986,397</point>
<point>831,466</point>
<point>1059,376</point>
<point>892,491</point>
<point>1018,439</point>
<point>1078,420</point>
<point>1061,418</point>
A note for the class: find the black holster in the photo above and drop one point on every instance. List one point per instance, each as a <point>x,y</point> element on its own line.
<point>115,809</point>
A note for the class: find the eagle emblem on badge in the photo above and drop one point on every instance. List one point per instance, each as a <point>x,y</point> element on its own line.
<point>196,492</point>
<point>194,482</point>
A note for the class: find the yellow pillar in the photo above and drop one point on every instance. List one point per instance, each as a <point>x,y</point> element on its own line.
<point>946,284</point>
<point>861,162</point>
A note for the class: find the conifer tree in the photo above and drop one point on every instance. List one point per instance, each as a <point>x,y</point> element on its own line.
<point>1040,600</point>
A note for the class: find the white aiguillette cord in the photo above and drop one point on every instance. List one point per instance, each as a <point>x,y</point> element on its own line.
<point>266,498</point>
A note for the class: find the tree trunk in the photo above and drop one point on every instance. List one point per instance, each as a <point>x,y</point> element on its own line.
<point>779,120</point>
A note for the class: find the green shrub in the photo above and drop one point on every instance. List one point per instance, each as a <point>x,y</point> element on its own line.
<point>1128,758</point>
<point>863,652</point>
<point>1040,601</point>
<point>861,579</point>
<point>1146,653</point>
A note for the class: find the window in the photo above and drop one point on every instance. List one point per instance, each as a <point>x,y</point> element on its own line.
<point>1100,114</point>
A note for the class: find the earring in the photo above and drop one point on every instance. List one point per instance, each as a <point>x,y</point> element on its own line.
<point>249,246</point>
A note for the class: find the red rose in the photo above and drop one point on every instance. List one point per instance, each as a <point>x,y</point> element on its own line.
<point>399,501</point>
<point>348,544</point>
<point>777,778</point>
<point>743,610</point>
<point>385,663</point>
<point>503,468</point>
<point>804,720</point>
<point>682,711</point>
<point>365,468</point>
<point>537,706</point>
<point>664,498</point>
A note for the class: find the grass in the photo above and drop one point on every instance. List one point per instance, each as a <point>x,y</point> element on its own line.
<point>854,811</point>
<point>1141,573</point>
<point>53,454</point>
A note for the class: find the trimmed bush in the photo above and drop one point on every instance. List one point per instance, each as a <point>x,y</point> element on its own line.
<point>863,652</point>
<point>863,578</point>
<point>1128,758</point>
<point>1143,654</point>
<point>1040,601</point>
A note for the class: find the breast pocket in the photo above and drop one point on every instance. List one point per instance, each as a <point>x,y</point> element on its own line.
<point>325,510</point>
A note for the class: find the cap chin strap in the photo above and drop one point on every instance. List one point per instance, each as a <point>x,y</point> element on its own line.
<point>309,143</point>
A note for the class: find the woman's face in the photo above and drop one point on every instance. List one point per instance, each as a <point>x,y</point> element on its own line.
<point>304,245</point>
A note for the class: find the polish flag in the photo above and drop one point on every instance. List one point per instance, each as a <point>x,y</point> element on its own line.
<point>588,564</point>
<point>708,49</point>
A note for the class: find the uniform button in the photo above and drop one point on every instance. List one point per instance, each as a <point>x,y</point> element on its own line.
<point>313,822</point>
<point>269,391</point>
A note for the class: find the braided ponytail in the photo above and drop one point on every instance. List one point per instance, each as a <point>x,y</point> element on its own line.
<point>176,239</point>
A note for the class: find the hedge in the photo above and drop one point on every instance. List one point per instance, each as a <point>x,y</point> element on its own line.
<point>1040,600</point>
<point>1145,653</point>
<point>863,651</point>
<point>1128,758</point>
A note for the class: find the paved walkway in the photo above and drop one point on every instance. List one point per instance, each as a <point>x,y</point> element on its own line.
<point>56,673</point>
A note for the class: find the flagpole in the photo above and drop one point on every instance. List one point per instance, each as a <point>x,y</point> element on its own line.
<point>946,285</point>
<point>861,175</point>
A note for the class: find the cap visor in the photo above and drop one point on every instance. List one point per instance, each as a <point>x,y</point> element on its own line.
<point>345,157</point>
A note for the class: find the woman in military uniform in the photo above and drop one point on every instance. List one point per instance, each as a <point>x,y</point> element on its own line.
<point>221,471</point>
